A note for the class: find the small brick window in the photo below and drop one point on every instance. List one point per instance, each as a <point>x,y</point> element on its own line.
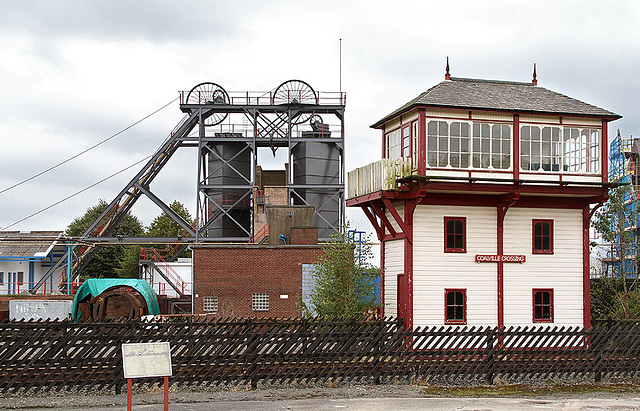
<point>455,235</point>
<point>210,304</point>
<point>455,306</point>
<point>260,302</point>
<point>543,305</point>
<point>542,236</point>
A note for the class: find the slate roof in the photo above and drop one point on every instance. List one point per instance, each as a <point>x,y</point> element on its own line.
<point>500,95</point>
<point>26,244</point>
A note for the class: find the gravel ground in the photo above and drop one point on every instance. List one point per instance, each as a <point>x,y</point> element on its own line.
<point>155,396</point>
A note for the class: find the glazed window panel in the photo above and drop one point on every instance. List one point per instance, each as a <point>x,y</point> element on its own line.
<point>461,144</point>
<point>542,236</point>
<point>406,142</point>
<point>581,150</point>
<point>559,149</point>
<point>393,144</point>
<point>455,310</point>
<point>455,235</point>
<point>543,305</point>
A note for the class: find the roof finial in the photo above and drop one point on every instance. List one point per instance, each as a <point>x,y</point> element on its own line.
<point>447,76</point>
<point>535,76</point>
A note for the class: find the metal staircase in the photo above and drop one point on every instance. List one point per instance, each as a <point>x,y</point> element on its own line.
<point>156,260</point>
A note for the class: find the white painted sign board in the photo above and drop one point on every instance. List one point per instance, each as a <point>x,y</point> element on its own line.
<point>146,360</point>
<point>40,309</point>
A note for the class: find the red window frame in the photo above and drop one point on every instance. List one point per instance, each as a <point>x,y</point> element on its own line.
<point>456,306</point>
<point>540,248</point>
<point>453,235</point>
<point>541,305</point>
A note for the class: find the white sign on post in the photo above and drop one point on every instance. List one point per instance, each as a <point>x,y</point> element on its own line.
<point>141,360</point>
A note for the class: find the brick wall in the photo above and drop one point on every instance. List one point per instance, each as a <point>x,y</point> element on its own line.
<point>277,195</point>
<point>304,235</point>
<point>232,273</point>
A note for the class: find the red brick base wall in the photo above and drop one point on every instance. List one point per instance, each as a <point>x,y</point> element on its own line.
<point>234,273</point>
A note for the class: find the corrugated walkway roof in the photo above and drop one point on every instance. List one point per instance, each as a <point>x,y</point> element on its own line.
<point>26,244</point>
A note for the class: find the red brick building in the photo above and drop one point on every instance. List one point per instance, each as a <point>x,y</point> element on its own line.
<point>233,280</point>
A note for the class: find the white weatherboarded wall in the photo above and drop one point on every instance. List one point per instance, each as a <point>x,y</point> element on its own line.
<point>399,206</point>
<point>393,265</point>
<point>434,271</point>
<point>561,271</point>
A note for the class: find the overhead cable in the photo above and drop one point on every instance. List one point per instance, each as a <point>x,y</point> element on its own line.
<point>77,193</point>
<point>88,149</point>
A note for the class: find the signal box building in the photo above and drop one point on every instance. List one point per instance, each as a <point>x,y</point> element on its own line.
<point>482,203</point>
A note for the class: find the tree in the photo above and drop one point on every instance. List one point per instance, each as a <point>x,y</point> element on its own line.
<point>161,226</point>
<point>107,260</point>
<point>617,221</point>
<point>343,286</point>
<point>165,226</point>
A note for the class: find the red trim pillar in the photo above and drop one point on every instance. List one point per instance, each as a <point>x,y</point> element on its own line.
<point>605,151</point>
<point>516,146</point>
<point>586,274</point>
<point>501,211</point>
<point>422,141</point>
<point>382,276</point>
<point>409,208</point>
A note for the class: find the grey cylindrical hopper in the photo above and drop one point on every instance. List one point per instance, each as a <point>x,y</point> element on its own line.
<point>318,164</point>
<point>228,165</point>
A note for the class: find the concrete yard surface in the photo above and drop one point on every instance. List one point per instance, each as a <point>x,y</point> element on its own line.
<point>364,397</point>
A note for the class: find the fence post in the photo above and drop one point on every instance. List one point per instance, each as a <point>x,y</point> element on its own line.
<point>598,374</point>
<point>490,356</point>
<point>599,355</point>
<point>253,355</point>
<point>377,350</point>
<point>304,335</point>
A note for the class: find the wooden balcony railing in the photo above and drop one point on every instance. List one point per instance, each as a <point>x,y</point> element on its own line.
<point>381,175</point>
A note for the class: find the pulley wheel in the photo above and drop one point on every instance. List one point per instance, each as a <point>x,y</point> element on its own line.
<point>209,93</point>
<point>295,92</point>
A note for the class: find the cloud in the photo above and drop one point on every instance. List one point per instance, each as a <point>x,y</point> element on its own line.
<point>75,72</point>
<point>121,20</point>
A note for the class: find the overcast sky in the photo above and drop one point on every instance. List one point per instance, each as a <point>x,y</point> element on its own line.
<point>73,73</point>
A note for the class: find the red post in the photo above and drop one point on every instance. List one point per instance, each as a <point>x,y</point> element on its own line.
<point>129,394</point>
<point>166,393</point>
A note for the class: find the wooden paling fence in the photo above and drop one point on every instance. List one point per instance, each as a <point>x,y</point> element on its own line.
<point>58,356</point>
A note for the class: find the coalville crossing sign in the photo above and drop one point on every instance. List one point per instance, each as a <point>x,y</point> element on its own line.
<point>484,258</point>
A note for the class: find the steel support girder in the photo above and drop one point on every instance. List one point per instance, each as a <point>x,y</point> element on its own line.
<point>317,210</point>
<point>223,211</point>
<point>124,201</point>
<point>267,127</point>
<point>174,216</point>
<point>225,162</point>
